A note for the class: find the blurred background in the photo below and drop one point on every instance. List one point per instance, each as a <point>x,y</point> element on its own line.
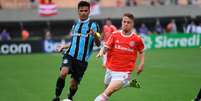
<point>157,16</point>
<point>171,31</point>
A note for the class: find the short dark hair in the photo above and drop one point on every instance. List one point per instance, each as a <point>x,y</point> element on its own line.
<point>83,3</point>
<point>108,18</point>
<point>129,15</point>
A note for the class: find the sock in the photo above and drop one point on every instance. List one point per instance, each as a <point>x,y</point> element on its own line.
<point>105,96</point>
<point>71,93</point>
<point>198,96</point>
<point>127,84</point>
<point>102,97</point>
<point>59,86</point>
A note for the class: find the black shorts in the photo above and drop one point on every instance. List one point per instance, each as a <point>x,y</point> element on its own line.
<point>76,67</point>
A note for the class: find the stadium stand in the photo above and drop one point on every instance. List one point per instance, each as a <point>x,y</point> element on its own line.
<point>103,3</point>
<point>66,3</point>
<point>12,17</point>
<point>13,4</point>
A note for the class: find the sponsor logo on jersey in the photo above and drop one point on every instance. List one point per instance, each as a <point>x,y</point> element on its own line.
<point>132,43</point>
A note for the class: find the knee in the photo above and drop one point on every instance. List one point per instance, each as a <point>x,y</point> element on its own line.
<point>106,85</point>
<point>112,90</point>
<point>63,72</point>
<point>109,92</point>
<point>115,89</point>
<point>74,84</point>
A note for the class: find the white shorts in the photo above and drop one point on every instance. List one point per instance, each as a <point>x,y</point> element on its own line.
<point>112,75</point>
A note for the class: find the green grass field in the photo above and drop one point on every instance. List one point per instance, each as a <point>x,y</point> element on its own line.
<point>169,75</point>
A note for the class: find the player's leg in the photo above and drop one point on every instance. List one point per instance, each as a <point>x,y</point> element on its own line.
<point>114,86</point>
<point>107,81</point>
<point>107,78</point>
<point>118,81</point>
<point>78,71</point>
<point>64,70</point>
<point>72,89</point>
<point>60,82</point>
<point>198,97</point>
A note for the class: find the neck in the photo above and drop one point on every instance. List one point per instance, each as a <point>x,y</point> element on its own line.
<point>125,32</point>
<point>84,20</point>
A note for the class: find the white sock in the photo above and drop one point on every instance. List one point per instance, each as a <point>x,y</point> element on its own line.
<point>102,97</point>
<point>126,84</point>
<point>105,96</point>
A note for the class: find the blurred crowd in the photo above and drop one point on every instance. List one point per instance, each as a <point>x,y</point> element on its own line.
<point>102,3</point>
<point>171,27</point>
<point>142,29</point>
<point>158,2</point>
<point>25,35</point>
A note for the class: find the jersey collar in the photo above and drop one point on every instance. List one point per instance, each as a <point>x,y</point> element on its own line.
<point>132,33</point>
<point>84,20</point>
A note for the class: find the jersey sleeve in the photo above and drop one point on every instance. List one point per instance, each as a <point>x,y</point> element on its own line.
<point>72,31</point>
<point>109,43</point>
<point>140,46</point>
<point>95,27</point>
<point>104,28</point>
<point>114,28</point>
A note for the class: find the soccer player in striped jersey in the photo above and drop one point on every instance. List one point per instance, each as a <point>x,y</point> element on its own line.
<point>122,48</point>
<point>75,59</point>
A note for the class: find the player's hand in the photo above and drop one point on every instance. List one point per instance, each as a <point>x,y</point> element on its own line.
<point>94,33</point>
<point>100,53</point>
<point>60,48</point>
<point>140,68</point>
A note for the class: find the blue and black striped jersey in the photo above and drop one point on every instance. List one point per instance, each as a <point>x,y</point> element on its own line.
<point>82,41</point>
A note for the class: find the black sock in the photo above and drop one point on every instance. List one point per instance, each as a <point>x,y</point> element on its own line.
<point>59,86</point>
<point>198,96</point>
<point>72,93</point>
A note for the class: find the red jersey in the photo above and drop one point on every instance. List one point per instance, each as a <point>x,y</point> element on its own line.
<point>107,30</point>
<point>122,51</point>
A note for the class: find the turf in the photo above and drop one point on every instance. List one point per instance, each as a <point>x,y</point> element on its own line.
<point>169,75</point>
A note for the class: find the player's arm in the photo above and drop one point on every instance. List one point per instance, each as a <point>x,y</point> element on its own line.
<point>141,65</point>
<point>106,46</point>
<point>97,39</point>
<point>60,48</point>
<point>141,56</point>
<point>103,33</point>
<point>102,51</point>
<point>95,31</point>
<point>102,36</point>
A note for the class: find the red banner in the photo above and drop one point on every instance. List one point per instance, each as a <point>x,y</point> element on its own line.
<point>47,8</point>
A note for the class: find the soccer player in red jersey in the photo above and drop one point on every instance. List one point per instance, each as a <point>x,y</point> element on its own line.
<point>108,28</point>
<point>122,48</point>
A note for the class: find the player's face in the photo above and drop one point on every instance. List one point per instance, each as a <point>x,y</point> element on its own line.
<point>108,22</point>
<point>83,12</point>
<point>127,24</point>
